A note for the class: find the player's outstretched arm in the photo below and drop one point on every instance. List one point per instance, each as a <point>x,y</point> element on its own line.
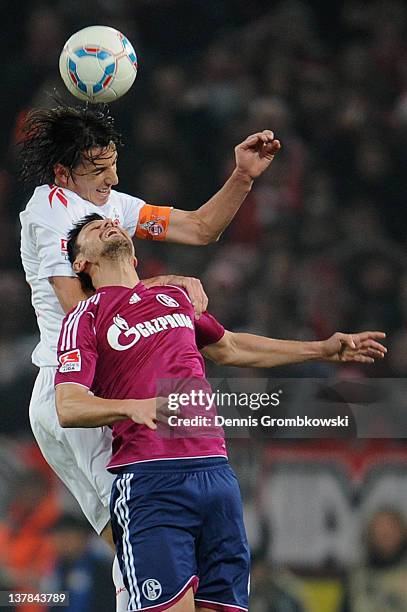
<point>205,225</point>
<point>249,350</point>
<point>76,407</point>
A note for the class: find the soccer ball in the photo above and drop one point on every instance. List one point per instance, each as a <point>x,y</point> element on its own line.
<point>98,64</point>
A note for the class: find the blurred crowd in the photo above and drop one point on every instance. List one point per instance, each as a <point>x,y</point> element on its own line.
<point>376,584</point>
<point>320,243</point>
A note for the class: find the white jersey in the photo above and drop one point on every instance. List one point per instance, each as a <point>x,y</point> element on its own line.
<point>45,223</point>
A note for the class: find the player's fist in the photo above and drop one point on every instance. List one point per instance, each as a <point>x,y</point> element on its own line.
<point>256,153</point>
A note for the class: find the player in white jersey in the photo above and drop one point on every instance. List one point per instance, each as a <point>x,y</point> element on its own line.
<point>70,155</point>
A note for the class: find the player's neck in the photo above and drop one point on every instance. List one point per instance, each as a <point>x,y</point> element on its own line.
<point>122,274</point>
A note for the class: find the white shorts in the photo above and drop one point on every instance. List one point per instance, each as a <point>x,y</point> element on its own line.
<point>78,456</point>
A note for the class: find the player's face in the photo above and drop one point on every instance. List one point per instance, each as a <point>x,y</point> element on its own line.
<point>95,176</point>
<point>102,238</point>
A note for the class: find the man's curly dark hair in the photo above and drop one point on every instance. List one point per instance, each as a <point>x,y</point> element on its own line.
<point>65,135</point>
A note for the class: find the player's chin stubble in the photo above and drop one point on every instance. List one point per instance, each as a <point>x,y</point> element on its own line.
<point>117,249</point>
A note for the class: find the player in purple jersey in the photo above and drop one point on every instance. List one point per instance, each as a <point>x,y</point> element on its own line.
<point>175,506</point>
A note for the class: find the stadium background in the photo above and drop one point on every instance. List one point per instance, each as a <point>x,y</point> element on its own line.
<point>318,246</point>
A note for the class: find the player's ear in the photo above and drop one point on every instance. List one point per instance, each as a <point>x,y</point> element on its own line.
<point>79,264</point>
<point>135,262</point>
<point>61,175</point>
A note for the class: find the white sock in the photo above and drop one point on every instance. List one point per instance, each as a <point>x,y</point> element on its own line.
<point>122,596</point>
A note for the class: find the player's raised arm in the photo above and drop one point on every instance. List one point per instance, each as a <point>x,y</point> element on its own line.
<point>249,350</point>
<point>207,223</point>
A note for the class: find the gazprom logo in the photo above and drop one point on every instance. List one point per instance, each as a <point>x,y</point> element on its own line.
<point>121,336</point>
<point>121,330</point>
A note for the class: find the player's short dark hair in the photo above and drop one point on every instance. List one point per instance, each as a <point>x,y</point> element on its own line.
<point>73,248</point>
<point>64,135</point>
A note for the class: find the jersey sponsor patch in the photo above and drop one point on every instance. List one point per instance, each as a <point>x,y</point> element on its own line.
<point>122,337</point>
<point>70,361</point>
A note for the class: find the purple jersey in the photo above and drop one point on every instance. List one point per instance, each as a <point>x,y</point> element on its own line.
<point>135,344</point>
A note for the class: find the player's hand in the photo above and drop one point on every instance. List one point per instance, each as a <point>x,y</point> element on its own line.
<point>256,153</point>
<point>193,287</point>
<point>362,347</point>
<point>147,412</point>
<point>195,290</point>
<point>157,281</point>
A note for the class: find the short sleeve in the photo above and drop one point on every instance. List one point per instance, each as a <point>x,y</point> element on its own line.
<point>131,208</point>
<point>153,222</point>
<point>52,252</point>
<point>77,348</point>
<point>208,330</point>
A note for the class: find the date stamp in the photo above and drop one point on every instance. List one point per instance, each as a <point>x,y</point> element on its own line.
<point>17,598</point>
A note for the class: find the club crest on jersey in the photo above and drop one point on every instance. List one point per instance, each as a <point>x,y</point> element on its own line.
<point>70,361</point>
<point>166,300</point>
<point>122,337</point>
<point>115,216</point>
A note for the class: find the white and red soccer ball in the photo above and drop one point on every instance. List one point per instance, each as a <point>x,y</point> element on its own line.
<point>98,64</point>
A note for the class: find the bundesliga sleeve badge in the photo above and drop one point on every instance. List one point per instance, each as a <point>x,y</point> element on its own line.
<point>70,361</point>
